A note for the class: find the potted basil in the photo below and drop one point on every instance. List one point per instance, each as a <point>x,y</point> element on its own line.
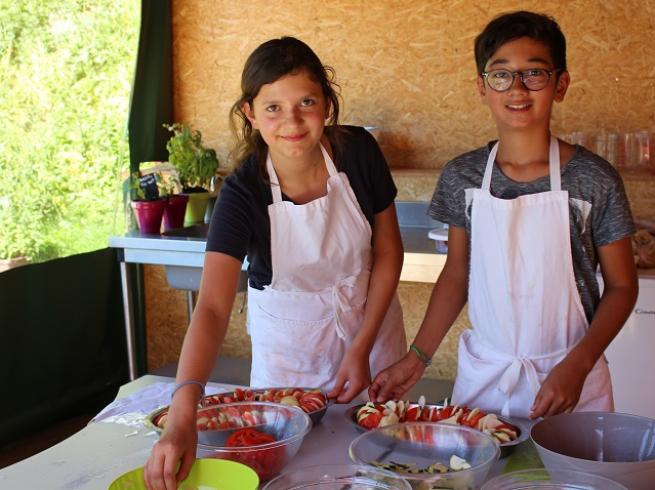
<point>177,202</point>
<point>196,166</point>
<point>146,202</point>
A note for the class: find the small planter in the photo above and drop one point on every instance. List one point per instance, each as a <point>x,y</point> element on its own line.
<point>149,214</point>
<point>196,207</point>
<point>174,212</point>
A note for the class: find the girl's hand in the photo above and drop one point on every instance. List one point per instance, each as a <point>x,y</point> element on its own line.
<point>396,380</point>
<point>354,375</point>
<point>560,391</point>
<point>176,446</point>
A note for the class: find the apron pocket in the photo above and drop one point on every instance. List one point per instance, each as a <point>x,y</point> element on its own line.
<point>285,349</point>
<point>306,318</point>
<point>476,384</point>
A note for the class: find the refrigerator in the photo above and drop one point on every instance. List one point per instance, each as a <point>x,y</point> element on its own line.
<point>631,355</point>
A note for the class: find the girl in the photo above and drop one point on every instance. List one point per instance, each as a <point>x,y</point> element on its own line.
<point>312,208</point>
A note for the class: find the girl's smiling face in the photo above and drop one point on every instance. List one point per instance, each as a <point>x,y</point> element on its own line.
<point>519,107</point>
<point>290,115</point>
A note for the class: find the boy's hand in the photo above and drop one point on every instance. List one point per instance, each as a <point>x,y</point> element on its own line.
<point>395,381</point>
<point>560,391</point>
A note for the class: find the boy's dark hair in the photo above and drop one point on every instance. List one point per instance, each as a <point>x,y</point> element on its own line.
<point>513,25</point>
<point>269,62</point>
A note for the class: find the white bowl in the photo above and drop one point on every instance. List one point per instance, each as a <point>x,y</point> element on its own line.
<point>615,445</point>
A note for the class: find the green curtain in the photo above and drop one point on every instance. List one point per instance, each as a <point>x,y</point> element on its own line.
<point>151,105</point>
<point>62,341</point>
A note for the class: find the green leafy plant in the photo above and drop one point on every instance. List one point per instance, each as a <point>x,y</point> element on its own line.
<point>195,164</point>
<point>138,191</point>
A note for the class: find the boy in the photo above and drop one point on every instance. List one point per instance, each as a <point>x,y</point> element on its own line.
<point>530,219</point>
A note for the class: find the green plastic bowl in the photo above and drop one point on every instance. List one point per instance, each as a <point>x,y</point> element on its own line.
<point>206,474</point>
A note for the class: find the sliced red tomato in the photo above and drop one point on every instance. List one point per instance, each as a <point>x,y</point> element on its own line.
<point>371,421</point>
<point>413,414</point>
<point>248,437</point>
<point>472,421</point>
<point>426,414</point>
<point>310,402</point>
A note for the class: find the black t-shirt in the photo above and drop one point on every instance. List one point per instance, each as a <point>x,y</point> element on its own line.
<point>240,224</point>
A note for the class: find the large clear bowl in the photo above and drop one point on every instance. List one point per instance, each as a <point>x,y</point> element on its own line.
<point>424,443</point>
<point>288,425</point>
<point>540,478</point>
<point>618,446</point>
<point>338,477</point>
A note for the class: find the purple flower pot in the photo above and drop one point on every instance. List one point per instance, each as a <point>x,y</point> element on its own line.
<point>174,212</point>
<point>148,215</point>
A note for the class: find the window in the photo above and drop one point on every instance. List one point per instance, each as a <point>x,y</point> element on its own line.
<point>66,69</point>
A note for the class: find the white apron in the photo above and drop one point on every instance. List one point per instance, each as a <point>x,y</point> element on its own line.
<point>523,302</point>
<point>303,322</point>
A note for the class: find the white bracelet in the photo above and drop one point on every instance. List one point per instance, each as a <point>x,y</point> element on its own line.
<point>189,382</point>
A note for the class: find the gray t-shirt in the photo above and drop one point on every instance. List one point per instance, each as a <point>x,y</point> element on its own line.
<point>599,212</point>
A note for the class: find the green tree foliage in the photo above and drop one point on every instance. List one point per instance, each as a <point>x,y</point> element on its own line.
<point>66,69</point>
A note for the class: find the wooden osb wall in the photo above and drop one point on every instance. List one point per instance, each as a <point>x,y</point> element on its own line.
<point>408,67</point>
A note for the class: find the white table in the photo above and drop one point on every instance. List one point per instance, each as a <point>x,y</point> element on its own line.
<point>95,456</point>
<point>92,458</point>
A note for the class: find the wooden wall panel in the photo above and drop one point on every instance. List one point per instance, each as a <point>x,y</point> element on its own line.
<point>408,67</point>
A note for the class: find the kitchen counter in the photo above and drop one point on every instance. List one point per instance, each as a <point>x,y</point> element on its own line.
<point>182,253</point>
<point>102,451</point>
<point>186,247</point>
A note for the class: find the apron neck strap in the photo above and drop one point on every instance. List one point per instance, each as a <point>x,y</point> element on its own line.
<point>553,166</point>
<point>553,162</point>
<point>275,183</point>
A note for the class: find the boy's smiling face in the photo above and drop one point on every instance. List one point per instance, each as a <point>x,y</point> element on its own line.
<point>518,107</point>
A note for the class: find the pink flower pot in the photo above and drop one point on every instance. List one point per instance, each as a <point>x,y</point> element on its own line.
<point>174,212</point>
<point>149,214</point>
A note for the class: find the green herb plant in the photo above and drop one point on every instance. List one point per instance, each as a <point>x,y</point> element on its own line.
<point>195,164</point>
<point>165,187</point>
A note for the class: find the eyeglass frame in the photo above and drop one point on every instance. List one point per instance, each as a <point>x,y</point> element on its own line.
<point>520,74</point>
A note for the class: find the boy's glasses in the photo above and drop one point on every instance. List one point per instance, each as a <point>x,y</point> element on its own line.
<point>534,79</point>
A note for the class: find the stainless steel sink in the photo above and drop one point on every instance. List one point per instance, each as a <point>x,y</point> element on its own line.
<point>414,226</point>
<point>415,214</point>
<point>188,278</point>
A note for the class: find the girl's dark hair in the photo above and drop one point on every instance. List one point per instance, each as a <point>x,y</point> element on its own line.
<point>267,63</point>
<point>513,25</point>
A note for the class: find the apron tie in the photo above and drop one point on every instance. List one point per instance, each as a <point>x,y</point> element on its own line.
<point>510,377</point>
